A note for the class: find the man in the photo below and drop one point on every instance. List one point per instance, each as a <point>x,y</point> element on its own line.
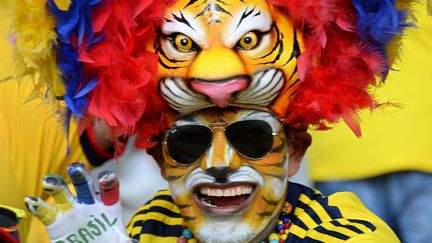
<point>228,176</point>
<point>202,54</point>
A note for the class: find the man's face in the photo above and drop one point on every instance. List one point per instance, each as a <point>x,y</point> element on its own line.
<point>230,52</point>
<point>227,171</point>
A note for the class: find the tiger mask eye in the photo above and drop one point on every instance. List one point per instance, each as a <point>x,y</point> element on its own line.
<point>249,41</point>
<point>182,43</point>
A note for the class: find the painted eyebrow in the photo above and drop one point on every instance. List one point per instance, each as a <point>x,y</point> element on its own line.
<point>182,19</point>
<point>247,13</point>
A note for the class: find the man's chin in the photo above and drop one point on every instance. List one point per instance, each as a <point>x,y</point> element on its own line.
<point>222,230</point>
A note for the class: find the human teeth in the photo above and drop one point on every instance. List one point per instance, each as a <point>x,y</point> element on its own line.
<point>238,191</point>
<point>248,190</point>
<point>228,192</point>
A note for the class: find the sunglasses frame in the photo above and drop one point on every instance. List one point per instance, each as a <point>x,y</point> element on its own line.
<point>221,125</point>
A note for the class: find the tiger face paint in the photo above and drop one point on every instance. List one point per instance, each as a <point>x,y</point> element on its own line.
<point>227,172</point>
<point>227,52</point>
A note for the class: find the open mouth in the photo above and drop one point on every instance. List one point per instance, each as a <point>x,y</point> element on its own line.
<point>226,199</point>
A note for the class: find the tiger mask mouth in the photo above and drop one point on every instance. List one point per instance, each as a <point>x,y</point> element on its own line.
<point>224,199</point>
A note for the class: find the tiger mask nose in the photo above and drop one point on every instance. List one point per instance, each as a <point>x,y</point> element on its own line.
<point>218,72</point>
<point>220,92</point>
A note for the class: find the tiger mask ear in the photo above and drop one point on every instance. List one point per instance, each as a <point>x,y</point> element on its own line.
<point>298,140</point>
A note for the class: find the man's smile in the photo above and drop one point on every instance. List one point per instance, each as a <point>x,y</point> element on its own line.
<point>224,199</point>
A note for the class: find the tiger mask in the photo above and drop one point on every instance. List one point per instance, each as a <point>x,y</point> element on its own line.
<point>227,53</point>
<point>228,171</point>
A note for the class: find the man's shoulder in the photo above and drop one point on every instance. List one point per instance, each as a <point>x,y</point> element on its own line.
<point>340,217</point>
<point>158,218</point>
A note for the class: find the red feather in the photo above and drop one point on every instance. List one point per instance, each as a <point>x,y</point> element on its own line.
<point>126,96</point>
<point>336,67</point>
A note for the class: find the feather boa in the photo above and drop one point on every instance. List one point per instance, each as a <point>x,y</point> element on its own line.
<point>74,23</point>
<point>126,96</point>
<point>94,54</point>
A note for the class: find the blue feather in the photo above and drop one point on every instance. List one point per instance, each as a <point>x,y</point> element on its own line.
<point>378,23</point>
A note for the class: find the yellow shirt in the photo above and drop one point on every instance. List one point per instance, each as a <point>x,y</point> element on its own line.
<point>32,142</point>
<point>394,139</point>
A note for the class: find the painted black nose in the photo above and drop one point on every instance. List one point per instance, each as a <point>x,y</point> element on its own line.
<point>221,173</point>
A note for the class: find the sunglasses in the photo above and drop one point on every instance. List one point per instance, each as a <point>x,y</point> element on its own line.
<point>252,139</point>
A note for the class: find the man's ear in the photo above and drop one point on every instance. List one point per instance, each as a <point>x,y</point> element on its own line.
<point>298,142</point>
<point>156,153</point>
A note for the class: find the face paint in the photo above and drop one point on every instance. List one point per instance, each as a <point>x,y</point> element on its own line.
<point>222,191</point>
<point>231,52</point>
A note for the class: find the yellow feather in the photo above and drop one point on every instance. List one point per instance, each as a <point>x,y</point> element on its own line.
<point>63,4</point>
<point>33,28</point>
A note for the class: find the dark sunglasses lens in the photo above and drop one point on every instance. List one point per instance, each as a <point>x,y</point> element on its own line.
<point>186,144</point>
<point>252,138</point>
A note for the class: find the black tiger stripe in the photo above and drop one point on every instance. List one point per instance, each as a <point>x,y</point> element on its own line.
<point>224,3</point>
<point>280,177</point>
<point>161,62</point>
<point>296,49</point>
<point>182,206</point>
<point>245,14</point>
<point>187,91</point>
<point>265,214</point>
<point>172,178</point>
<point>254,85</point>
<point>274,84</point>
<point>182,19</point>
<point>173,94</point>
<point>270,202</point>
<point>293,73</point>
<point>266,96</point>
<point>279,54</point>
<point>276,45</point>
<point>171,101</point>
<point>160,51</point>
<point>208,8</point>
<point>190,3</point>
<point>279,148</point>
<point>273,164</point>
<point>294,83</point>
